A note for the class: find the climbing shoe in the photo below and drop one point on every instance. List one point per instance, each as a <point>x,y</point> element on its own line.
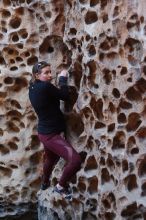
<point>64,192</point>
<point>45,186</point>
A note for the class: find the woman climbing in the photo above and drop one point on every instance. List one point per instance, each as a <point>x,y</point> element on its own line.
<point>45,99</point>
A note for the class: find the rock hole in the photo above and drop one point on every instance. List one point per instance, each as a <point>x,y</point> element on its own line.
<point>142,166</point>
<point>35,158</point>
<point>1,132</point>
<point>15,22</point>
<point>90,143</point>
<point>133,95</point>
<point>19,59</point>
<point>124,104</point>
<point>91,164</point>
<point>110,163</point>
<point>81,184</point>
<point>99,125</point>
<point>143,187</point>
<point>124,165</point>
<point>23,33</point>
<point>2,61</point>
<point>121,118</point>
<point>34,142</point>
<point>15,38</point>
<point>14,68</point>
<point>91,50</point>
<point>3,149</point>
<point>116,11</point>
<point>77,73</point>
<point>105,18</point>
<point>93,3</point>
<point>50,49</point>
<point>97,107</point>
<point>111,107</point>
<point>8,80</point>
<point>13,166</point>
<point>27,54</point>
<point>83,155</point>
<point>110,216</point>
<point>48,14</point>
<point>102,161</point>
<point>16,104</point>
<point>105,177</point>
<point>5,13</point>
<point>106,204</point>
<point>103,3</point>
<point>83,1</point>
<point>105,45</point>
<point>135,150</point>
<point>107,76</point>
<point>91,17</point>
<point>20,46</point>
<point>133,121</point>
<point>12,127</point>
<point>123,70</point>
<point>19,84</point>
<point>129,210</point>
<point>12,145</point>
<point>116,93</point>
<point>76,124</point>
<point>111,127</point>
<point>32,60</point>
<point>93,185</point>
<point>141,133</point>
<point>119,140</point>
<point>73,31</point>
<point>4,171</point>
<point>131,182</point>
<point>129,79</point>
<point>88,37</point>
<point>141,85</point>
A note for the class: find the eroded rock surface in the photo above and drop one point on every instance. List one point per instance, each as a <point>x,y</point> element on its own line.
<point>103,45</point>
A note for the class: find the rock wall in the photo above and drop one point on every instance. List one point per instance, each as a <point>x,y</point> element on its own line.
<point>102,42</point>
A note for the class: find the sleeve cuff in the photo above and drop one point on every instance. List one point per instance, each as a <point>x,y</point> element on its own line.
<point>62,81</point>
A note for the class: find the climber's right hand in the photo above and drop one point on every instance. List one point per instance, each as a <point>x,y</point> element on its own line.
<point>63,73</point>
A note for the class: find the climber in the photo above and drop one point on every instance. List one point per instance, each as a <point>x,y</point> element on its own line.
<point>45,99</point>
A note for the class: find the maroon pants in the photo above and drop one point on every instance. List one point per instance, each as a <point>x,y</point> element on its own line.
<point>56,146</point>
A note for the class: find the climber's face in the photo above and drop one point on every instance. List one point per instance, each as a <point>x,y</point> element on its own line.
<point>45,74</point>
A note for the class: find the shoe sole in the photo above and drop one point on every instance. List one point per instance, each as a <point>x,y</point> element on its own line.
<point>63,195</point>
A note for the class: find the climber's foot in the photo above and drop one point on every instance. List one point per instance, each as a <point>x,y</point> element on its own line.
<point>65,192</point>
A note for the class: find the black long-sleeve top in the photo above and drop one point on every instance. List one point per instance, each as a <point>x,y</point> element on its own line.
<point>45,99</point>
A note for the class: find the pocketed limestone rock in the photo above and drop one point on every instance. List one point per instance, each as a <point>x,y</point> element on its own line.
<point>102,44</point>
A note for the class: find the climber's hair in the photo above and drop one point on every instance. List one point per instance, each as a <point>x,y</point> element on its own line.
<point>39,66</point>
